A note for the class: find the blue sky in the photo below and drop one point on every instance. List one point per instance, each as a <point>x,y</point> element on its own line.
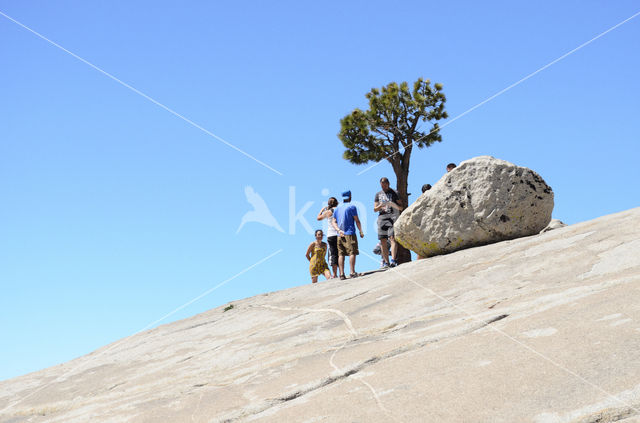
<point>116,212</point>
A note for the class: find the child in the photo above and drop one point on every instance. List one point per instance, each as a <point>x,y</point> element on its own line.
<point>316,255</point>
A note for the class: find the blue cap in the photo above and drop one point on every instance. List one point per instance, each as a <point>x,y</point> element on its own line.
<point>346,194</point>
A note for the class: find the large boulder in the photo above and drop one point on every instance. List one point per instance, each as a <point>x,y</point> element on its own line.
<point>484,200</point>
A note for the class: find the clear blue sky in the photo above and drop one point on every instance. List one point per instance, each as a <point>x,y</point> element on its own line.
<point>116,212</point>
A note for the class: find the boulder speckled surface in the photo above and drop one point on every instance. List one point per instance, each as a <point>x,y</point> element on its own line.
<point>484,200</point>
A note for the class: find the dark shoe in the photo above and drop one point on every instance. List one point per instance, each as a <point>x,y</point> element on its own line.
<point>343,277</point>
<point>393,263</point>
<point>353,275</point>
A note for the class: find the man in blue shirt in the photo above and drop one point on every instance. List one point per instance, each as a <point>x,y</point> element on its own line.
<point>344,217</point>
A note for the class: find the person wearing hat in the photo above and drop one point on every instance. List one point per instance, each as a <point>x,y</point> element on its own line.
<point>345,218</point>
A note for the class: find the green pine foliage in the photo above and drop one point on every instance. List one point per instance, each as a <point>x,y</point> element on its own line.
<point>392,125</point>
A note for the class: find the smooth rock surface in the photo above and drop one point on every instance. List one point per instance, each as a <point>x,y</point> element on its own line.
<point>554,224</point>
<point>483,200</point>
<point>543,329</point>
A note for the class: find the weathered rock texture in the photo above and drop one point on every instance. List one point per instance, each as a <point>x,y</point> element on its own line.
<point>543,329</point>
<point>554,224</point>
<point>484,200</point>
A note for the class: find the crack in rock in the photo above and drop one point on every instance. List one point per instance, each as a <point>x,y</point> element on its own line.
<point>345,373</point>
<point>610,415</point>
<point>343,316</point>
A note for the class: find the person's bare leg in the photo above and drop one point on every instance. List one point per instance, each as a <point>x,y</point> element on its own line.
<point>341,264</point>
<point>334,267</point>
<point>352,263</point>
<point>394,247</point>
<point>327,275</point>
<point>314,279</point>
<point>384,248</point>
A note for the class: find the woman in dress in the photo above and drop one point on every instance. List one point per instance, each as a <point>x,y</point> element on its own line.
<point>315,254</point>
<point>332,234</point>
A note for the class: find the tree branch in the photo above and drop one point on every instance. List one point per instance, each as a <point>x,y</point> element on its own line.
<point>382,133</point>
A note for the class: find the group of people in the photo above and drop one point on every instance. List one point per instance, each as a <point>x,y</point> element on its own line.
<point>342,240</point>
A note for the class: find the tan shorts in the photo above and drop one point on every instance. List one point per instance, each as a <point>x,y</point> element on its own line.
<point>348,245</point>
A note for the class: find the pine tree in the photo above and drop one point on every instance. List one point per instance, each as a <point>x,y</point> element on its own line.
<point>391,127</point>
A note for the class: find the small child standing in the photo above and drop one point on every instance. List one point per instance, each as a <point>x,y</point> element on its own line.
<point>316,255</point>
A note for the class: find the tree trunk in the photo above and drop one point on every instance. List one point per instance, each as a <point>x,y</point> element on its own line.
<point>402,187</point>
<point>402,177</point>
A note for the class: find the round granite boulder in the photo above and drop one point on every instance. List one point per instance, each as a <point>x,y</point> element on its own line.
<point>483,200</point>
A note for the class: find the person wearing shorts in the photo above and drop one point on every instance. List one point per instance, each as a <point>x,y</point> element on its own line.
<point>348,246</point>
<point>387,204</point>
<point>345,218</point>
